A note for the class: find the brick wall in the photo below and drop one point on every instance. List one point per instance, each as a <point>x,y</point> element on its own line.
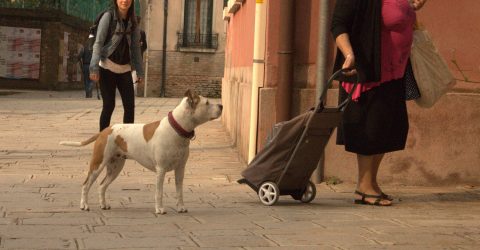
<point>53,25</point>
<point>201,72</point>
<point>203,85</point>
<point>154,73</point>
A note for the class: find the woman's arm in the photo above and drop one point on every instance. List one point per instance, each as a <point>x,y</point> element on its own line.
<point>342,22</point>
<point>343,15</point>
<point>343,43</point>
<point>136,52</point>
<point>418,4</point>
<point>100,37</point>
<point>143,39</point>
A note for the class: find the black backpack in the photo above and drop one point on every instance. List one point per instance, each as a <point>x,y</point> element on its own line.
<point>92,34</point>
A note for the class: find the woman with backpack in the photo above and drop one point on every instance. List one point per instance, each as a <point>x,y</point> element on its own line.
<point>116,52</point>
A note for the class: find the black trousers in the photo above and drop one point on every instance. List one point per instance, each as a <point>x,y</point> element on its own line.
<point>109,82</point>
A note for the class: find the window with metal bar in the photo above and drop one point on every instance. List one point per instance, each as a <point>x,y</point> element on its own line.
<point>197,30</point>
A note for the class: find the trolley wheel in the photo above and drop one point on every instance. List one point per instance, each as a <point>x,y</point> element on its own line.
<point>309,193</point>
<point>268,193</point>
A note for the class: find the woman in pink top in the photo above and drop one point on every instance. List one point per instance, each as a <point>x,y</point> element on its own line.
<point>374,37</point>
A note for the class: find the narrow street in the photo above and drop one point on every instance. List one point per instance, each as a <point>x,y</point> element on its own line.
<point>40,190</point>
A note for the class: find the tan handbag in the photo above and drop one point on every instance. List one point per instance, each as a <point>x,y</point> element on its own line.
<point>430,70</point>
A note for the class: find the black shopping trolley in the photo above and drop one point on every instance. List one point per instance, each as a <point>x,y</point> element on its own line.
<point>284,166</point>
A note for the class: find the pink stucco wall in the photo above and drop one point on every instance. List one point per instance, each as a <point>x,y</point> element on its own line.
<point>240,31</point>
<point>236,84</point>
<point>306,31</point>
<point>272,43</point>
<point>305,41</point>
<point>455,29</point>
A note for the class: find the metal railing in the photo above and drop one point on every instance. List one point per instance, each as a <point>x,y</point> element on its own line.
<point>204,41</point>
<point>83,9</point>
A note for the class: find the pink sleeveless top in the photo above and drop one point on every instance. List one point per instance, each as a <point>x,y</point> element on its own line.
<point>398,19</point>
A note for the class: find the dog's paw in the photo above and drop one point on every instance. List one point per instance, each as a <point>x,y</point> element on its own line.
<point>160,211</point>
<point>105,207</point>
<point>84,207</point>
<point>182,210</point>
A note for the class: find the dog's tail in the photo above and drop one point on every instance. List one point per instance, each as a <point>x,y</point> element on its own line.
<point>80,144</point>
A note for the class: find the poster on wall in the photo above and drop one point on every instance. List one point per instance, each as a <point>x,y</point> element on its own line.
<point>64,54</point>
<point>68,70</point>
<point>20,52</point>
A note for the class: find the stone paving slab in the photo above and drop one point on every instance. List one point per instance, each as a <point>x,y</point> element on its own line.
<point>40,189</point>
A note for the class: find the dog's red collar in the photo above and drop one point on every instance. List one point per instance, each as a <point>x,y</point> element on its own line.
<point>180,131</point>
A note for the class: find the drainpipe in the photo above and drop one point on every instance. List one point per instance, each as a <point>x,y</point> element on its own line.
<point>164,52</point>
<point>323,57</point>
<point>285,59</point>
<point>145,82</point>
<point>258,73</point>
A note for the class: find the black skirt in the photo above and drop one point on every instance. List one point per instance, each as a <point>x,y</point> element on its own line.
<point>377,122</point>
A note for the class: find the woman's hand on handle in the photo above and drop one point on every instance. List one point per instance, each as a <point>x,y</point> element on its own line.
<point>349,65</point>
<point>343,43</point>
<point>94,77</point>
<point>418,4</point>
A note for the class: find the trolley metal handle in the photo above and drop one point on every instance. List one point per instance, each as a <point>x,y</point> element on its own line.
<point>335,75</point>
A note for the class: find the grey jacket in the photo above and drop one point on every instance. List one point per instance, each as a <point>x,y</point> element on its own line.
<point>101,52</point>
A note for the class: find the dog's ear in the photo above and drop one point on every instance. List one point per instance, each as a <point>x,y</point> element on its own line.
<point>192,98</point>
<point>188,93</point>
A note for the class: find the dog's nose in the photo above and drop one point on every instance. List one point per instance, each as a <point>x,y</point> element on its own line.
<point>220,106</point>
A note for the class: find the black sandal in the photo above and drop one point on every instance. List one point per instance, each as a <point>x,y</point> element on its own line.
<point>386,197</point>
<point>375,203</point>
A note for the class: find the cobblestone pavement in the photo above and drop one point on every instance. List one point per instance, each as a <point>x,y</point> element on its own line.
<point>40,190</point>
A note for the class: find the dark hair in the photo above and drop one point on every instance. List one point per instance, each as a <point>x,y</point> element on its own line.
<point>130,14</point>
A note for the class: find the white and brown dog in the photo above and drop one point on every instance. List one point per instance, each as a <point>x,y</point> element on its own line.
<point>160,146</point>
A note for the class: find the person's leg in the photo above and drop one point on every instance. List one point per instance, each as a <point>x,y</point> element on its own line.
<point>377,159</point>
<point>125,87</point>
<point>86,78</point>
<point>367,177</point>
<point>107,88</point>
<point>365,173</point>
<point>89,87</point>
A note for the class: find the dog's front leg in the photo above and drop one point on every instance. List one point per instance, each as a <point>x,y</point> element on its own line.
<point>159,192</point>
<point>179,173</point>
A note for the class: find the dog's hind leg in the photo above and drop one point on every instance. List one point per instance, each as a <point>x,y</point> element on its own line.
<point>179,174</point>
<point>114,167</point>
<point>159,192</point>
<point>101,155</point>
<point>93,173</point>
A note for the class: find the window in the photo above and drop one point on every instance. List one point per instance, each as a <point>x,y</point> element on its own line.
<point>197,30</point>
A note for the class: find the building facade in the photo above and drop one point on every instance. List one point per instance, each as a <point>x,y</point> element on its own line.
<point>185,47</point>
<point>271,76</point>
<point>39,41</point>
